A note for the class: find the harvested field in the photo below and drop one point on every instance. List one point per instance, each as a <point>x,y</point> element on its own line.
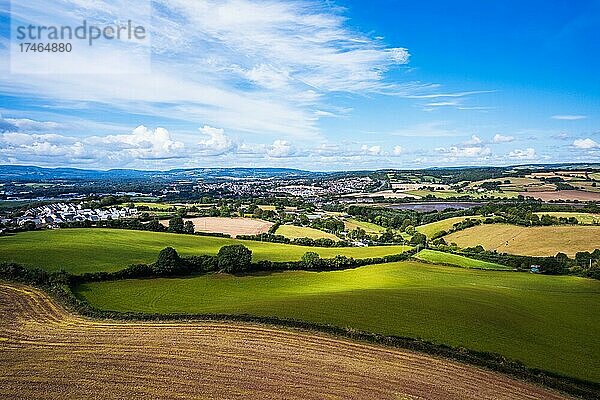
<point>529,241</point>
<point>564,195</point>
<point>46,353</point>
<point>230,226</point>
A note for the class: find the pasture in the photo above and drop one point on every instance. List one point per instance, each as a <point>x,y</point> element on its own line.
<point>529,241</point>
<point>438,257</point>
<point>536,319</point>
<point>370,228</point>
<point>90,250</point>
<point>296,232</point>
<point>582,218</point>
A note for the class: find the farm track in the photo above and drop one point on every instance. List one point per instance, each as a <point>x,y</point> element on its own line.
<point>46,352</point>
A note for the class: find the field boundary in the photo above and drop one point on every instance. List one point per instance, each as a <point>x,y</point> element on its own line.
<point>63,294</point>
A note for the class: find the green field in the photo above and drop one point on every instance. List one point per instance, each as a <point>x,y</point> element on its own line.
<point>90,250</point>
<point>549,322</point>
<point>370,228</point>
<point>433,228</point>
<point>582,218</point>
<point>295,232</point>
<point>439,257</point>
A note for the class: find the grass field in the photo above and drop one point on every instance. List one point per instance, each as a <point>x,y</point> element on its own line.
<point>444,225</point>
<point>438,257</point>
<point>532,241</point>
<point>550,322</point>
<point>48,353</point>
<point>295,232</point>
<point>89,250</point>
<point>583,218</point>
<point>370,228</point>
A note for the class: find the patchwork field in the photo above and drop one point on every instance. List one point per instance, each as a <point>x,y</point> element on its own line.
<point>433,228</point>
<point>532,241</point>
<point>438,257</point>
<point>533,318</point>
<point>231,226</point>
<point>295,232</point>
<point>89,250</point>
<point>45,353</point>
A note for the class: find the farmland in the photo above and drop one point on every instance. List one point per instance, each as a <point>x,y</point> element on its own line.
<point>433,228</point>
<point>532,318</point>
<point>531,241</point>
<point>231,226</point>
<point>438,257</point>
<point>368,227</point>
<point>90,250</point>
<point>582,218</point>
<point>295,232</point>
<point>215,360</point>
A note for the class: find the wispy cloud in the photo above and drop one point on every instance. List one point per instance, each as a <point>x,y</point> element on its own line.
<point>568,117</point>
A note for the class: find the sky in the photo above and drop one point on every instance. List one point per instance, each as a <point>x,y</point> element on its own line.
<point>316,85</point>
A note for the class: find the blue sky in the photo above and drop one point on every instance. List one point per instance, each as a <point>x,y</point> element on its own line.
<point>330,85</point>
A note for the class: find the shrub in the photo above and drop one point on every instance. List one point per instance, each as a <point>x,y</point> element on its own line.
<point>234,258</point>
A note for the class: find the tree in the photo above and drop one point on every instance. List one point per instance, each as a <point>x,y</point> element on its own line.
<point>311,260</point>
<point>418,239</point>
<point>168,261</point>
<point>188,227</point>
<point>234,258</point>
<point>176,225</point>
<point>155,226</point>
<point>410,229</point>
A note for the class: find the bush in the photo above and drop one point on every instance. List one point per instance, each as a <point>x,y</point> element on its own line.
<point>234,258</point>
<point>168,262</point>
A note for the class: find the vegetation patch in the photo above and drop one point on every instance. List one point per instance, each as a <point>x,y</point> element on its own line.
<point>439,257</point>
<point>296,232</point>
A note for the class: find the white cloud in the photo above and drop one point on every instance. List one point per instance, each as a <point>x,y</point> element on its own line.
<point>142,143</point>
<point>586,144</point>
<point>498,138</point>
<point>397,150</point>
<point>474,140</point>
<point>216,142</point>
<point>568,117</point>
<point>371,150</point>
<point>465,152</point>
<point>523,154</point>
<point>26,124</point>
<point>281,149</point>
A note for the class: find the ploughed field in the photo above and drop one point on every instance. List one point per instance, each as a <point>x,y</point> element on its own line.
<point>230,226</point>
<point>91,250</point>
<point>547,322</point>
<point>47,353</point>
<point>529,241</point>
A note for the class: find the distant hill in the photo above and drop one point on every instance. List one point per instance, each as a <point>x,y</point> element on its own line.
<point>32,174</point>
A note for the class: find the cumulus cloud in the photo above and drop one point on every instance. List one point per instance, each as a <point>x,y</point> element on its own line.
<point>142,143</point>
<point>371,150</point>
<point>281,149</point>
<point>498,138</point>
<point>216,142</point>
<point>397,150</point>
<point>586,144</point>
<point>473,141</point>
<point>523,154</point>
<point>465,152</point>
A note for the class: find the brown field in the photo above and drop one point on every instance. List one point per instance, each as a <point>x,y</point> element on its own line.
<point>532,241</point>
<point>564,195</point>
<point>47,353</point>
<point>230,226</point>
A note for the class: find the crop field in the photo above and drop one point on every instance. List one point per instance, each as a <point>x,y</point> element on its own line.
<point>536,319</point>
<point>531,241</point>
<point>294,232</point>
<point>450,194</point>
<point>231,226</point>
<point>433,228</point>
<point>564,195</point>
<point>583,218</point>
<point>90,250</point>
<point>45,352</point>
<point>438,257</point>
